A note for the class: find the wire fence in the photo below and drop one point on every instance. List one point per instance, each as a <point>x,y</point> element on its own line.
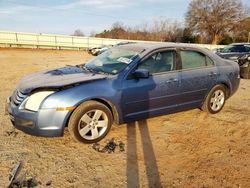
<point>40,40</point>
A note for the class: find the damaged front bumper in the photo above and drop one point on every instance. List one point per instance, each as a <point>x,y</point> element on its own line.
<point>45,122</point>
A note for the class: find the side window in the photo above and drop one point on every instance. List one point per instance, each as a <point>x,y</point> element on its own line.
<point>159,62</point>
<point>232,49</point>
<point>228,49</point>
<point>240,48</point>
<point>192,59</point>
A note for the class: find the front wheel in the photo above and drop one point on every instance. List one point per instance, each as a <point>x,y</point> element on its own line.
<point>90,122</point>
<point>215,100</point>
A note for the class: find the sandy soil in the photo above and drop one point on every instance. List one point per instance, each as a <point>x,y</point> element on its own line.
<point>187,149</point>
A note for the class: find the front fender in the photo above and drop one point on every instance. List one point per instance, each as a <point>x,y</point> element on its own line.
<point>99,91</point>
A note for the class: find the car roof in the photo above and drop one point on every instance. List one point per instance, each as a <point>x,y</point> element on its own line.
<point>154,46</point>
<point>145,48</point>
<point>238,44</point>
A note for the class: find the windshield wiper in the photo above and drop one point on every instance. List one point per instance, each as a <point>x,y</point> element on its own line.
<point>102,72</point>
<point>78,66</point>
<point>88,69</point>
<point>91,70</point>
<point>85,68</point>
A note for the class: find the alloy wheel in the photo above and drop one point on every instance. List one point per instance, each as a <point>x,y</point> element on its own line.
<point>93,124</point>
<point>217,100</point>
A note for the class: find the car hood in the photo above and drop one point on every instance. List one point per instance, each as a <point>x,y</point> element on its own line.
<point>56,78</point>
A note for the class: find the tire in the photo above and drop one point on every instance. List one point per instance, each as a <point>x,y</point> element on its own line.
<point>90,122</point>
<point>215,100</point>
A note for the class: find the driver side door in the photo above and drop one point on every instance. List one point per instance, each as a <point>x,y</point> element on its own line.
<point>158,94</point>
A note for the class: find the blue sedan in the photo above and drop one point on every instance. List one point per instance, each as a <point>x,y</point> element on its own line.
<point>126,83</point>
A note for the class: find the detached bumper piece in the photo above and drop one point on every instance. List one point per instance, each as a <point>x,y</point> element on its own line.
<point>245,72</point>
<point>244,63</point>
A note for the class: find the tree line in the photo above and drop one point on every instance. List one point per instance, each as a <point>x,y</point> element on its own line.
<point>206,21</point>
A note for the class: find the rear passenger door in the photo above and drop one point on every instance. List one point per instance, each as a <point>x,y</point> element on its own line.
<point>198,74</point>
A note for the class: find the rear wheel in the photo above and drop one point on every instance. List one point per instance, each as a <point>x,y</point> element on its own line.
<point>215,100</point>
<point>90,122</point>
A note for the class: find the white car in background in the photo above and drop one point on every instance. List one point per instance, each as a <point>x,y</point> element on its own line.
<point>98,50</point>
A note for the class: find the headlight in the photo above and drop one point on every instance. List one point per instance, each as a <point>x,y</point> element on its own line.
<point>34,101</point>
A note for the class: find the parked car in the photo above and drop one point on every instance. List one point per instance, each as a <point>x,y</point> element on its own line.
<point>234,51</point>
<point>99,50</point>
<point>244,63</point>
<point>124,84</point>
<point>124,43</point>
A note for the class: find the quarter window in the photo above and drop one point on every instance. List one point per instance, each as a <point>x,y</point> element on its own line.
<point>159,62</point>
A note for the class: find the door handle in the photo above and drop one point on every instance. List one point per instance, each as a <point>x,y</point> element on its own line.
<point>175,80</point>
<point>172,80</point>
<point>212,74</point>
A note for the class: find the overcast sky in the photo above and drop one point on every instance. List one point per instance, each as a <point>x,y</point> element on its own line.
<point>65,16</point>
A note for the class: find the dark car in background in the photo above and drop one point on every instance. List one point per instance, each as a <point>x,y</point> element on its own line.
<point>244,63</point>
<point>126,83</point>
<point>234,51</point>
<point>240,53</point>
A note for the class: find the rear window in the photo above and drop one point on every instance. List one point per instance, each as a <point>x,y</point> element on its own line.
<point>192,59</point>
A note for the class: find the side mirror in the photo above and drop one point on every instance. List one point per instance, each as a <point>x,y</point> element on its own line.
<point>141,73</point>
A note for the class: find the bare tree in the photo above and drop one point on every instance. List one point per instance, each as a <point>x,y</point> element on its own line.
<point>242,32</point>
<point>79,33</point>
<point>159,30</point>
<point>118,30</point>
<point>211,18</point>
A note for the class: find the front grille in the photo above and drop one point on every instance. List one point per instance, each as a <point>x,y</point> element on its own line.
<point>18,97</point>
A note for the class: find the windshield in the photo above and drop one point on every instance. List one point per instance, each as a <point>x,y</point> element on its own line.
<point>111,61</point>
<point>236,48</point>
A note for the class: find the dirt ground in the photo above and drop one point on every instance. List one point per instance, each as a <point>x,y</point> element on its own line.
<point>186,149</point>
